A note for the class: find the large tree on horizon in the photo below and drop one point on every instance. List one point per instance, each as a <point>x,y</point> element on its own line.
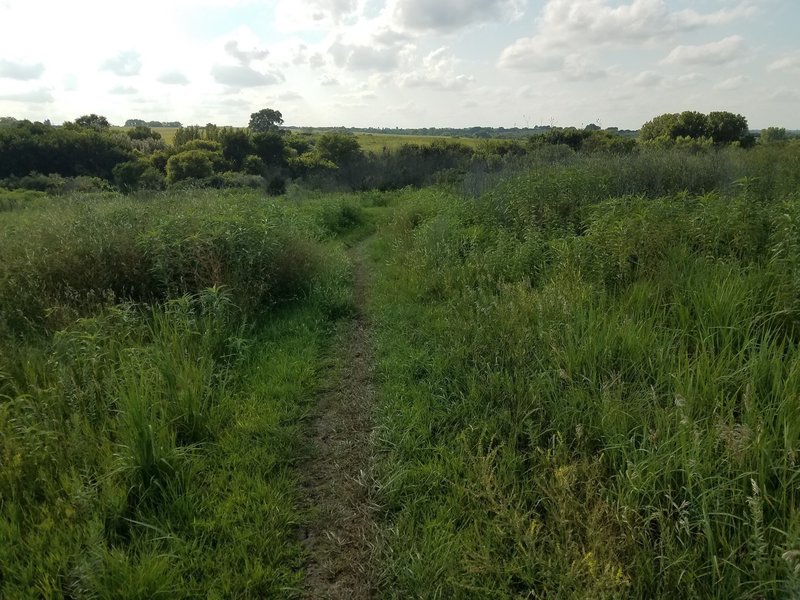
<point>266,119</point>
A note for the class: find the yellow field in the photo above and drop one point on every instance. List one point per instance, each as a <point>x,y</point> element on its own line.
<point>376,142</point>
<point>167,133</point>
<point>370,142</point>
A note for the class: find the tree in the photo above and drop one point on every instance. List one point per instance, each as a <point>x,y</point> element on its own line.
<point>194,164</point>
<point>136,175</point>
<point>143,132</point>
<point>265,120</point>
<point>339,148</point>
<point>662,126</point>
<point>691,124</point>
<point>773,134</point>
<point>725,128</point>
<point>92,121</point>
<point>270,147</point>
<point>236,146</point>
<point>721,127</point>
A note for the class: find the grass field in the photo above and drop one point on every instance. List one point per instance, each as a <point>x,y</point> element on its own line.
<point>167,134</point>
<point>372,142</point>
<point>584,379</point>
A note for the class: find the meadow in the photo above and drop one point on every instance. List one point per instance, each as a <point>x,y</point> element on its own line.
<point>587,375</point>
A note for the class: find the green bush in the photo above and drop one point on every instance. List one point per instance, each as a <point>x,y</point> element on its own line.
<point>192,164</point>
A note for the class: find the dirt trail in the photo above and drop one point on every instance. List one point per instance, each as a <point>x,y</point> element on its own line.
<point>338,474</point>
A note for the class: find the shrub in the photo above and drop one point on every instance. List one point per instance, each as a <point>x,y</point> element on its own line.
<point>193,164</point>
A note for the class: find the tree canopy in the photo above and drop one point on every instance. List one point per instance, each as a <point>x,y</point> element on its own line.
<point>720,127</point>
<point>265,120</point>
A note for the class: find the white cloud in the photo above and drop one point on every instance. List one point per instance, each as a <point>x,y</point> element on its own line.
<point>173,78</point>
<point>122,90</point>
<point>20,71</point>
<point>449,15</point>
<point>238,76</point>
<point>732,83</point>
<point>124,64</point>
<point>364,58</point>
<point>289,96</point>
<point>790,62</point>
<point>571,27</point>
<point>688,79</point>
<point>309,15</point>
<point>38,96</point>
<point>245,57</point>
<point>437,71</point>
<point>786,95</point>
<point>713,53</point>
<point>647,79</point>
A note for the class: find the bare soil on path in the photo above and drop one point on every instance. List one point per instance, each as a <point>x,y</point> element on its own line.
<point>339,540</point>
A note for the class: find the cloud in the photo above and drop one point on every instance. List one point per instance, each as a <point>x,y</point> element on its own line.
<point>308,15</point>
<point>732,83</point>
<point>647,79</point>
<point>328,81</point>
<point>123,90</point>
<point>245,57</point>
<point>238,76</point>
<point>21,71</point>
<point>714,53</point>
<point>289,96</point>
<point>363,58</point>
<point>450,15</point>
<point>124,64</point>
<point>173,78</point>
<point>786,95</point>
<point>599,21</point>
<point>436,72</point>
<point>39,96</point>
<point>790,62</point>
<point>573,27</point>
<point>688,79</point>
<point>577,67</point>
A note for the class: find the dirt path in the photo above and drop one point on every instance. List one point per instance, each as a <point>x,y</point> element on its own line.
<point>338,474</point>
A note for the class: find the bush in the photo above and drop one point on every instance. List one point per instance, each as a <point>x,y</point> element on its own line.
<point>253,165</point>
<point>193,164</point>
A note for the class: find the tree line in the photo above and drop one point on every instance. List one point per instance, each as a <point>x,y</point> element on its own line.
<point>88,153</point>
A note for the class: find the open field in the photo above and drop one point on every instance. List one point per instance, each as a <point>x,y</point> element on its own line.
<point>374,142</point>
<point>577,379</point>
<point>167,133</point>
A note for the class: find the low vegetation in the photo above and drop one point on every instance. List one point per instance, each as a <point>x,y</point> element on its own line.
<point>586,380</point>
<point>589,386</point>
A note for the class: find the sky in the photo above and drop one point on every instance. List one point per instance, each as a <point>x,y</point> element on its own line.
<point>401,63</point>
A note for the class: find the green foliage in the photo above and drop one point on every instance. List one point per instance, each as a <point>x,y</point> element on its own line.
<point>194,164</point>
<point>137,175</point>
<point>253,165</point>
<point>67,151</point>
<point>339,148</point>
<point>586,395</point>
<point>236,147</point>
<point>265,120</point>
<point>770,135</point>
<point>92,121</point>
<point>145,448</point>
<point>142,132</point>
<point>270,147</point>
<point>724,128</point>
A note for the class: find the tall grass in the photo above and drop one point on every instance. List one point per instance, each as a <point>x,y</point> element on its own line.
<point>591,380</point>
<point>157,358</point>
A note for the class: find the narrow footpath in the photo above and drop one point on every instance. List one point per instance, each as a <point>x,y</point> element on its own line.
<point>337,476</point>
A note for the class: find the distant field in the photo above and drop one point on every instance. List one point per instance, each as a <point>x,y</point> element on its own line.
<point>168,133</point>
<point>372,142</point>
